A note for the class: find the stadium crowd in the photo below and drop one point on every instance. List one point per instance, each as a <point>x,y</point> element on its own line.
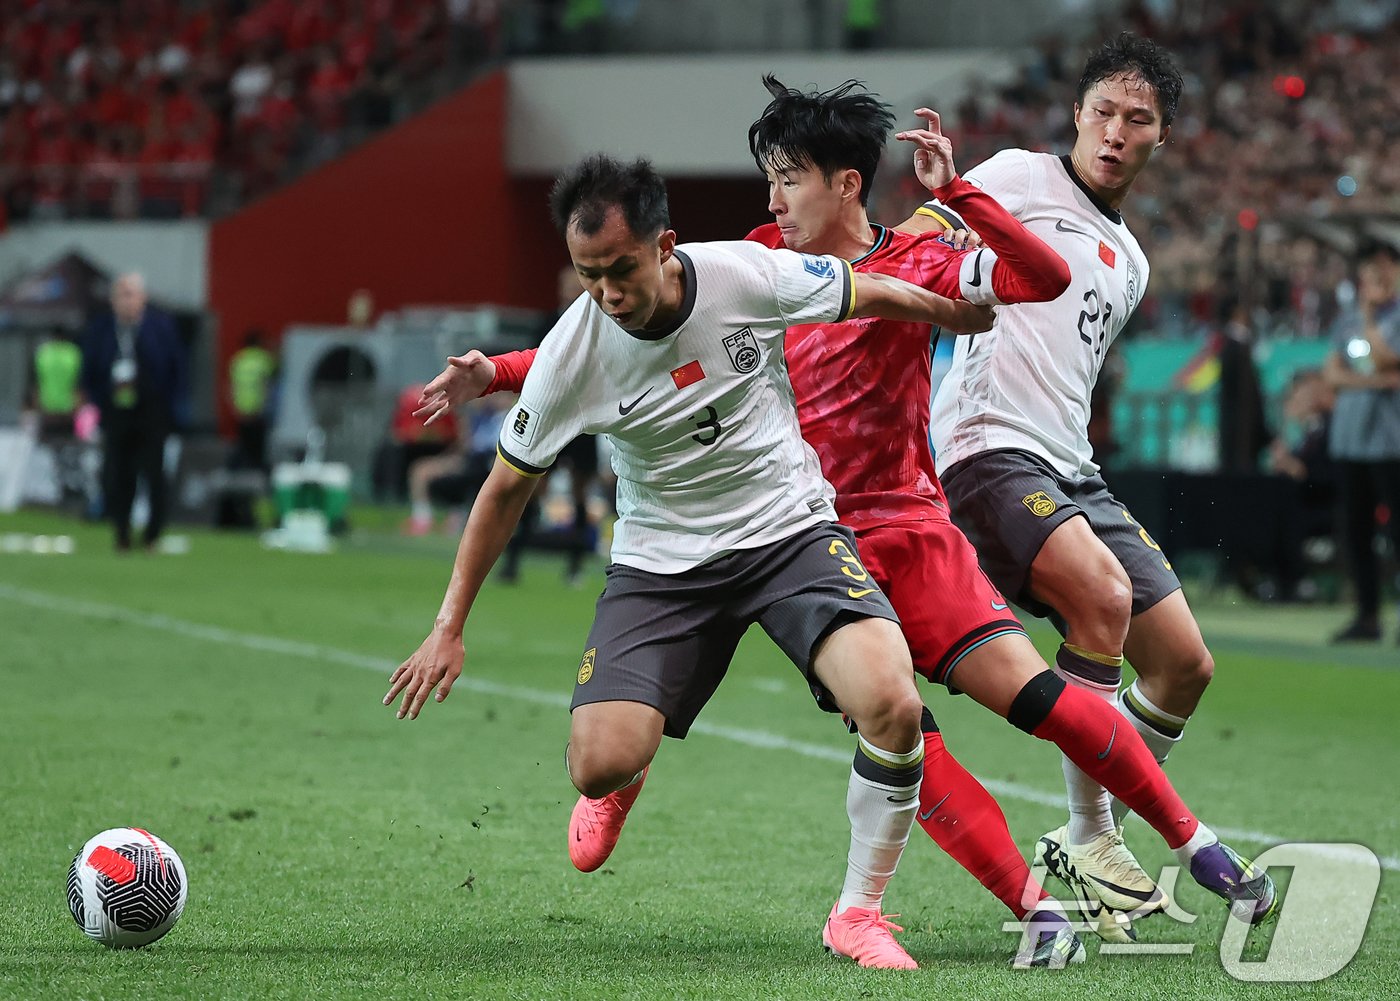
<point>1285,122</point>
<point>153,107</point>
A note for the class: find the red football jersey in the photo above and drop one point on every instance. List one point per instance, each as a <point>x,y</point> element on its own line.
<point>863,388</point>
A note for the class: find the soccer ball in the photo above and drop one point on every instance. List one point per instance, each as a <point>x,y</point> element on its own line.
<point>126,888</point>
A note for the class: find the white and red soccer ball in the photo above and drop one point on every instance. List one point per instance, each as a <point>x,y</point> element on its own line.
<point>126,888</point>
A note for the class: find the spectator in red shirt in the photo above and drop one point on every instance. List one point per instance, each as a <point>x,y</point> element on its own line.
<point>326,90</point>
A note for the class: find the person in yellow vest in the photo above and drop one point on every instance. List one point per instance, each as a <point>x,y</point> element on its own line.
<point>58,365</point>
<point>250,374</point>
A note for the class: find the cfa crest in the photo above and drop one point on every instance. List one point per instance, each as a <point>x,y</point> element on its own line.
<point>1040,504</point>
<point>743,350</point>
<point>585,668</point>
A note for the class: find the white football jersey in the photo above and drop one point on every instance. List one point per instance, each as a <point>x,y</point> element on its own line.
<point>706,445</point>
<point>1026,383</point>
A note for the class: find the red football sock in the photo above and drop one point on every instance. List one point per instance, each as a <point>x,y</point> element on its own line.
<point>1097,739</point>
<point>966,822</point>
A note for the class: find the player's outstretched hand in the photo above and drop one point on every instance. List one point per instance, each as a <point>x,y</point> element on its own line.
<point>465,378</point>
<point>437,662</point>
<point>933,151</point>
<point>969,319</point>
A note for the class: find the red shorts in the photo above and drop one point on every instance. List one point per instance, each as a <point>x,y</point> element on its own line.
<point>947,607</point>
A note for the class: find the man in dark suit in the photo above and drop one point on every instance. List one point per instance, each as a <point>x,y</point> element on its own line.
<point>134,370</point>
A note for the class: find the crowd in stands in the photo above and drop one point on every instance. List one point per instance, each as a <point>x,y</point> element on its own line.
<point>1286,121</point>
<point>120,108</point>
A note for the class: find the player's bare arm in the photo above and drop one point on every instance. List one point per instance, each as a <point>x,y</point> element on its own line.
<point>438,660</point>
<point>465,378</point>
<point>893,299</point>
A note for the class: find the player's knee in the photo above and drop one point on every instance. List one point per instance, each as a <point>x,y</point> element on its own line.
<point>892,717</point>
<point>1102,609</point>
<point>598,769</point>
<point>598,765</point>
<point>597,788</point>
<point>1194,674</point>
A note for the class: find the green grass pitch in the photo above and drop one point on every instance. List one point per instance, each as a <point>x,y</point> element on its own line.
<point>229,701</point>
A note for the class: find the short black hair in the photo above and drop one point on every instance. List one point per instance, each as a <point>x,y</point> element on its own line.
<point>584,193</point>
<point>1142,57</point>
<point>844,128</point>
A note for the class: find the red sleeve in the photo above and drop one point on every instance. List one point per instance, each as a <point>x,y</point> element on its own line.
<point>1027,269</point>
<point>511,369</point>
<point>768,234</point>
<point>927,262</point>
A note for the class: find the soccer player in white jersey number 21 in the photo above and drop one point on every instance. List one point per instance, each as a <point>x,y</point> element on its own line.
<point>1010,430</point>
<point>724,517</point>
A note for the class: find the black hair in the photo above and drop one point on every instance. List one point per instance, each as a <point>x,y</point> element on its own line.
<point>584,193</point>
<point>1370,247</point>
<point>840,129</point>
<point>1141,57</point>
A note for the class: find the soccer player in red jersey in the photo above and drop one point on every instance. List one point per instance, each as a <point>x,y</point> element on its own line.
<point>862,392</point>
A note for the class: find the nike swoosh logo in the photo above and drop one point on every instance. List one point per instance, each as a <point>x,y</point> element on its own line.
<point>860,594</point>
<point>624,411</point>
<point>1127,891</point>
<point>933,809</point>
<point>1061,227</point>
<point>997,606</point>
<point>1111,737</point>
<point>907,799</point>
<point>976,270</point>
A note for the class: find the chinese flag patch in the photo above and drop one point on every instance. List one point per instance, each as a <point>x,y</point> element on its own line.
<point>687,375</point>
<point>1106,254</point>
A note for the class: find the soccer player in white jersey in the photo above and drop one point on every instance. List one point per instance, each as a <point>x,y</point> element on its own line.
<point>724,517</point>
<point>1010,429</point>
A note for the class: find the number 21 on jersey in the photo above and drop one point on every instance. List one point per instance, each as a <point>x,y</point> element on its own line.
<point>1093,321</point>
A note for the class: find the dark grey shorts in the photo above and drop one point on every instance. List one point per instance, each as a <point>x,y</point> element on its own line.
<point>666,640</point>
<point>1007,502</point>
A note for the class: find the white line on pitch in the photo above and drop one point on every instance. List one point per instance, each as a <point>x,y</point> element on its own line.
<point>752,738</point>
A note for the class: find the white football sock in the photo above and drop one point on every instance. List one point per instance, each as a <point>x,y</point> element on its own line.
<point>1090,806</point>
<point>1203,838</point>
<point>1160,730</point>
<point>881,800</point>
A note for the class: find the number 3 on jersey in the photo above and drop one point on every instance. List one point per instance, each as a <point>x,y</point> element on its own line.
<point>708,427</point>
<point>851,568</point>
<point>1089,317</point>
<point>1148,540</point>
